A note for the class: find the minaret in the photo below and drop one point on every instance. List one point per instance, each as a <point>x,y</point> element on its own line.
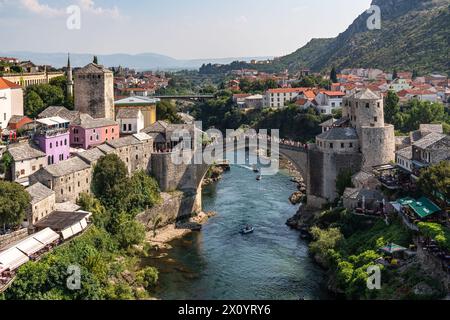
<point>69,78</point>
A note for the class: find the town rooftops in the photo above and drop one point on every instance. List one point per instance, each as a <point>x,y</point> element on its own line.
<point>62,112</point>
<point>128,113</point>
<point>333,93</point>
<point>365,94</point>
<point>59,220</point>
<point>287,90</point>
<point>87,122</point>
<point>124,142</point>
<point>93,68</point>
<point>16,119</point>
<point>24,151</point>
<point>339,134</point>
<point>406,153</point>
<point>105,148</point>
<point>39,192</point>
<point>159,127</point>
<point>91,155</point>
<point>142,136</point>
<point>429,140</point>
<point>137,101</point>
<point>431,128</point>
<point>6,84</point>
<point>328,123</point>
<point>53,121</point>
<point>66,167</point>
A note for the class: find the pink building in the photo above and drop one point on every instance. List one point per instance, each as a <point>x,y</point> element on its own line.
<point>87,132</point>
<point>52,136</point>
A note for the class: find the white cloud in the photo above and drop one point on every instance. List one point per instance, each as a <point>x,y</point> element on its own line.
<point>42,9</point>
<point>89,6</point>
<point>242,19</point>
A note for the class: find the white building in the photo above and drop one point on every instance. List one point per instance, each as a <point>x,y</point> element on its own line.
<point>328,101</point>
<point>11,101</point>
<point>254,102</point>
<point>131,120</point>
<point>399,85</point>
<point>26,161</point>
<point>403,158</point>
<point>278,98</point>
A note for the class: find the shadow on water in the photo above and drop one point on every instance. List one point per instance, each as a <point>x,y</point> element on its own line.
<point>219,263</point>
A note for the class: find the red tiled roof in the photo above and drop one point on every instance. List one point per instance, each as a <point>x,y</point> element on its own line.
<point>6,84</point>
<point>287,90</point>
<point>310,95</point>
<point>333,93</point>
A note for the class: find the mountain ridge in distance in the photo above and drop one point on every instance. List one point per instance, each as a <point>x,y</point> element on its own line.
<point>142,61</point>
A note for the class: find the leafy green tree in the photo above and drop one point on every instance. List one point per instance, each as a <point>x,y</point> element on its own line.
<point>100,216</point>
<point>391,107</point>
<point>130,233</point>
<point>143,192</point>
<point>5,165</point>
<point>109,180</point>
<point>325,241</point>
<point>147,277</point>
<point>436,178</point>
<point>33,104</point>
<point>14,201</point>
<point>167,111</point>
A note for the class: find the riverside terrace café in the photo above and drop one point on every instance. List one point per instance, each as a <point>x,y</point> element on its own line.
<point>422,209</point>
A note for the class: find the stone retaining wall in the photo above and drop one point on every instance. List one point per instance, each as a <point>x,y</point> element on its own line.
<point>13,237</point>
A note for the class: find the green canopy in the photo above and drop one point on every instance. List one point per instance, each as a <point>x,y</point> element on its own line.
<point>392,248</point>
<point>423,207</point>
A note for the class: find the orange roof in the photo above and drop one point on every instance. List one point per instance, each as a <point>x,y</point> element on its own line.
<point>287,90</point>
<point>309,94</point>
<point>6,84</point>
<point>301,102</point>
<point>333,93</point>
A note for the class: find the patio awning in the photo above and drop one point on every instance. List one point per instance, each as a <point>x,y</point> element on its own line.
<point>46,236</point>
<point>393,248</point>
<point>424,207</point>
<point>30,246</point>
<point>12,259</point>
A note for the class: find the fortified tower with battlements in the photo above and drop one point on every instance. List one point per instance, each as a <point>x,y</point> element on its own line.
<point>94,91</point>
<point>360,140</point>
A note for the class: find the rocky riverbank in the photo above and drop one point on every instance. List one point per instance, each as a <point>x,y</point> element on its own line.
<point>215,173</point>
<point>162,236</point>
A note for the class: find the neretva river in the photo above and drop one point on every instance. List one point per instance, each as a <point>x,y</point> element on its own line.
<point>219,263</point>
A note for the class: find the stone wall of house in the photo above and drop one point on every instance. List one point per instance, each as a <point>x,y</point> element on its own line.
<point>67,188</point>
<point>175,206</point>
<point>41,209</point>
<point>323,170</point>
<point>377,145</point>
<point>94,94</point>
<point>13,237</point>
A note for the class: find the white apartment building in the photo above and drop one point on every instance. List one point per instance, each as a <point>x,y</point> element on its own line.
<point>11,101</point>
<point>327,101</point>
<point>278,98</point>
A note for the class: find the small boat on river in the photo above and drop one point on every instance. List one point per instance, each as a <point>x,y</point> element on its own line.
<point>255,169</point>
<point>259,177</point>
<point>247,230</point>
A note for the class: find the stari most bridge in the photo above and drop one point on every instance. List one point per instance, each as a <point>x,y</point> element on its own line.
<point>195,97</point>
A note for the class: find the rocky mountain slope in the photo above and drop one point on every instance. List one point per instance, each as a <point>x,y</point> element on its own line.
<point>414,35</point>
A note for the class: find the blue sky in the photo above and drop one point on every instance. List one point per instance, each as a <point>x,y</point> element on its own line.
<point>184,29</point>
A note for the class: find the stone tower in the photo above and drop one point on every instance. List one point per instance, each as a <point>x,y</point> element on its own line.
<point>69,78</point>
<point>94,91</point>
<point>365,110</point>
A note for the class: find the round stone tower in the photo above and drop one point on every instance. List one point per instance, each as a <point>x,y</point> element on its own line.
<point>365,109</point>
